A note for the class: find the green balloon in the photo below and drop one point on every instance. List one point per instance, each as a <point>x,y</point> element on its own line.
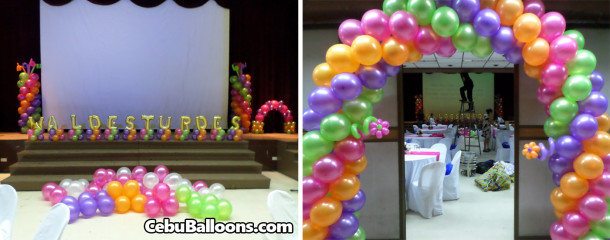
<point>38,110</point>
<point>195,194</point>
<point>576,35</point>
<point>209,211</point>
<point>335,127</point>
<point>358,109</point>
<point>601,228</point>
<point>186,132</point>
<point>607,203</point>
<point>392,6</point>
<point>20,83</point>
<point>357,214</point>
<point>33,138</point>
<point>183,193</point>
<point>359,235</point>
<point>307,171</point>
<point>146,137</point>
<point>483,47</point>
<point>114,131</point>
<point>36,116</point>
<point>445,21</point>
<point>23,76</point>
<point>374,96</point>
<point>583,63</point>
<point>465,38</point>
<point>590,236</point>
<point>37,132</point>
<point>237,85</point>
<point>111,138</point>
<point>74,138</point>
<point>233,79</point>
<point>563,110</point>
<point>577,87</point>
<point>78,132</point>
<point>218,138</point>
<point>210,199</point>
<point>243,92</point>
<point>315,146</point>
<point>224,209</point>
<point>308,162</point>
<point>422,10</point>
<point>248,98</point>
<point>555,129</point>
<point>194,206</point>
<point>150,132</point>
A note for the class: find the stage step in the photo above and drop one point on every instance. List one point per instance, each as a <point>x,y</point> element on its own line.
<point>133,154</point>
<point>288,159</point>
<point>47,145</point>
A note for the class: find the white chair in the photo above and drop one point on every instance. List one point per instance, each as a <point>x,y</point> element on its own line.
<point>451,183</point>
<point>447,142</point>
<point>54,223</point>
<point>458,146</point>
<point>282,207</point>
<point>425,194</point>
<point>440,147</point>
<point>424,125</point>
<point>415,128</point>
<point>8,206</point>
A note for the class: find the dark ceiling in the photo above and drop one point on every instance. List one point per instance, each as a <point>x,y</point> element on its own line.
<point>330,13</point>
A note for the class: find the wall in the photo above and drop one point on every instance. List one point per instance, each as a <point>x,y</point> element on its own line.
<point>441,93</point>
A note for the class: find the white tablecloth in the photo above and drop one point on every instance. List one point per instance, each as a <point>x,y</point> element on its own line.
<point>436,130</point>
<point>511,142</point>
<point>414,165</point>
<point>503,154</point>
<point>425,141</point>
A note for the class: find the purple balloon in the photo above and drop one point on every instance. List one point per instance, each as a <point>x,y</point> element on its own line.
<point>37,97</point>
<point>24,117</point>
<point>21,123</point>
<point>389,70</point>
<point>312,120</point>
<point>606,160</point>
<point>345,227</point>
<point>442,3</point>
<point>88,207</point>
<point>503,40</point>
<point>40,137</point>
<point>354,204</point>
<point>346,86</point>
<point>30,110</point>
<point>597,80</point>
<point>328,168</point>
<point>313,190</point>
<point>68,200</point>
<point>229,137</point>
<point>73,206</point>
<point>349,30</point>
<point>557,179</point>
<point>486,22</point>
<point>322,100</point>
<point>36,103</point>
<point>535,7</point>
<point>100,194</point>
<point>595,104</point>
<point>466,9</point>
<point>372,77</point>
<point>84,196</point>
<point>403,25</point>
<point>568,146</point>
<point>560,165</point>
<point>514,55</point>
<point>375,24</point>
<point>583,126</point>
<point>106,205</point>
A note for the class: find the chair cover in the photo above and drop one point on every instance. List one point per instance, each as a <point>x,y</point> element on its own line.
<point>424,125</point>
<point>502,154</point>
<point>440,147</point>
<point>8,206</point>
<point>415,128</point>
<point>282,207</point>
<point>451,183</point>
<point>54,223</point>
<point>447,142</point>
<point>425,194</point>
<point>458,146</point>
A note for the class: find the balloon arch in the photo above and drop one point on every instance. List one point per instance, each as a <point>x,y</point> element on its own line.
<point>289,125</point>
<point>373,48</point>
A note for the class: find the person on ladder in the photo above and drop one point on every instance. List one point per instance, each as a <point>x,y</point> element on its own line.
<point>467,89</point>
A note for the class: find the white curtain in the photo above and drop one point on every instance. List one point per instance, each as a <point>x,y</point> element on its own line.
<point>123,59</point>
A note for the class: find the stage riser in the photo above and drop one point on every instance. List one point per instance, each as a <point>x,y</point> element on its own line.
<point>49,145</point>
<point>114,156</point>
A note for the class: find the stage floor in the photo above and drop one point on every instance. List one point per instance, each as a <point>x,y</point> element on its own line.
<point>247,136</point>
<point>249,205</point>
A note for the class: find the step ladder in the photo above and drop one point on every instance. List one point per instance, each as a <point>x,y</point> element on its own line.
<point>468,140</point>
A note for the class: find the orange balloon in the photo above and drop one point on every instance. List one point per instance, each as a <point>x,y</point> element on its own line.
<point>34,90</point>
<point>356,167</point>
<point>312,232</point>
<point>345,188</point>
<point>527,27</point>
<point>561,202</point>
<point>164,137</point>
<point>96,132</point>
<point>532,71</point>
<point>573,186</point>
<point>248,77</point>
<point>491,4</point>
<point>55,138</point>
<point>414,54</point>
<point>131,188</point>
<point>323,74</point>
<point>509,11</point>
<point>341,59</point>
<point>559,214</point>
<point>395,52</point>
<point>29,96</point>
<point>588,165</point>
<point>234,105</point>
<point>130,137</point>
<point>137,203</point>
<point>122,204</point>
<point>325,212</point>
<point>366,49</point>
<point>115,189</point>
<point>21,110</point>
<point>598,144</point>
<point>536,52</point>
<point>93,137</point>
<point>238,111</point>
<point>603,122</point>
<point>24,104</point>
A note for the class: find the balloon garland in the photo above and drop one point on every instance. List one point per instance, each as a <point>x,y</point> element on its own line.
<point>29,97</point>
<point>241,100</point>
<point>289,124</point>
<point>374,47</point>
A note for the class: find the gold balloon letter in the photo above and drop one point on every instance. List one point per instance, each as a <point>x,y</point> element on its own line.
<point>98,122</point>
<point>198,121</point>
<point>235,122</point>
<point>35,125</point>
<point>129,122</point>
<point>147,119</point>
<point>111,120</point>
<point>52,123</point>
<point>167,124</point>
<point>73,117</point>
<point>185,121</point>
<point>216,122</point>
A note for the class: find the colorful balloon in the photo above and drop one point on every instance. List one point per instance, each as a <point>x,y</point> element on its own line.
<point>341,59</point>
<point>446,48</point>
<point>595,104</point>
<point>466,9</point>
<point>527,27</point>
<point>597,80</point>
<point>575,223</point>
<point>422,10</point>
<point>346,86</point>
<point>465,38</point>
<point>577,87</point>
<point>588,166</point>
<point>563,49</point>
<point>583,126</point>
<point>394,52</point>
<point>357,110</point>
<point>325,212</point>
<point>503,40</point>
<point>375,23</point>
<point>335,127</point>
<point>403,25</point>
<point>328,168</point>
<point>509,11</point>
<point>486,23</point>
<point>426,40</point>
<point>323,74</point>
<point>349,30</point>
<point>553,25</point>
<point>315,146</point>
<point>482,48</point>
<point>583,63</point>
<point>576,35</point>
<point>574,186</point>
<point>366,50</point>
<point>561,202</point>
<point>536,52</point>
<point>349,149</point>
<point>345,187</point>
<point>598,144</point>
<point>445,21</point>
<point>322,100</point>
<point>535,7</point>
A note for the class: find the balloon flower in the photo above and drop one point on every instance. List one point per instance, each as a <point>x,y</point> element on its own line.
<point>530,150</point>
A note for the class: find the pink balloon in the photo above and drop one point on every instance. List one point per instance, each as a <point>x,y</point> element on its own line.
<point>313,190</point>
<point>547,110</point>
<point>535,7</point>
<point>575,224</point>
<point>57,195</point>
<point>162,171</point>
<point>593,207</point>
<point>558,232</point>
<point>93,188</point>
<point>172,194</point>
<point>170,206</point>
<point>563,49</point>
<point>376,24</point>
<point>152,208</point>
<point>546,95</point>
<point>328,168</point>
<point>606,160</point>
<point>427,41</point>
<point>161,191</point>
<point>199,185</point>
<point>100,177</point>
<point>123,178</point>
<point>306,211</point>
<point>349,149</point>
<point>553,25</point>
<point>403,25</point>
<point>47,189</point>
<point>554,74</point>
<point>259,117</point>
<point>110,175</point>
<point>601,185</point>
<point>446,48</point>
<point>138,173</point>
<point>148,193</point>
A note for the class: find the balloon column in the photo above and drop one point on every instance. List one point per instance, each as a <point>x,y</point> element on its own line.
<point>29,97</point>
<point>289,124</point>
<point>241,98</point>
<point>419,104</point>
<point>499,112</point>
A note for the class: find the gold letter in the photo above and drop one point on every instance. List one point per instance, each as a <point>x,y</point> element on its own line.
<point>35,125</point>
<point>216,122</point>
<point>52,123</point>
<point>235,122</point>
<point>147,119</point>
<point>73,117</point>
<point>168,123</point>
<point>129,122</point>
<point>185,121</point>
<point>111,120</point>
<point>97,121</point>
<point>204,120</point>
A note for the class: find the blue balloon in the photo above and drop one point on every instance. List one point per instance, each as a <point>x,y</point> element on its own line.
<point>568,147</point>
<point>583,126</point>
<point>503,40</point>
<point>372,77</point>
<point>322,100</point>
<point>346,86</point>
<point>595,104</point>
<point>597,80</point>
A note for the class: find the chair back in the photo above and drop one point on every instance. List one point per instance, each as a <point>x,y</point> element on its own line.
<point>8,206</point>
<point>415,128</point>
<point>447,142</point>
<point>431,175</point>
<point>451,183</point>
<point>282,206</point>
<point>440,147</point>
<point>424,125</point>
<point>53,225</point>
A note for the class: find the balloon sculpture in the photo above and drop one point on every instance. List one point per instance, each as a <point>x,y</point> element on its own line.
<point>29,98</point>
<point>499,112</point>
<point>289,124</point>
<point>373,48</point>
<point>419,104</point>
<point>241,100</point>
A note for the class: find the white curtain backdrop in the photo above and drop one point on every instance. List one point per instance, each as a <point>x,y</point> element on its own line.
<point>124,59</point>
<point>441,92</point>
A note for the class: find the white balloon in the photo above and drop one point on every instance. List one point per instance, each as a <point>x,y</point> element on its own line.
<point>186,182</point>
<point>173,180</point>
<point>123,170</point>
<point>75,189</point>
<point>217,189</point>
<point>65,183</point>
<point>84,181</point>
<point>105,188</point>
<point>150,179</point>
<point>203,191</point>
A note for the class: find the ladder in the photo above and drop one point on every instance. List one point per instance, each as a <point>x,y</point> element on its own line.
<point>468,124</point>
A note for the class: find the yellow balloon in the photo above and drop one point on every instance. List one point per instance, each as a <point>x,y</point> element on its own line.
<point>573,186</point>
<point>366,49</point>
<point>598,144</point>
<point>414,54</point>
<point>341,59</point>
<point>115,189</point>
<point>395,52</point>
<point>131,188</point>
<point>323,74</point>
<point>588,165</point>
<point>603,122</point>
<point>527,27</point>
<point>536,52</point>
<point>509,11</point>
<point>122,204</point>
<point>137,203</point>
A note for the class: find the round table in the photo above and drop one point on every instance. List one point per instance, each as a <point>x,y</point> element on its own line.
<point>436,130</point>
<point>424,141</point>
<point>414,165</point>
